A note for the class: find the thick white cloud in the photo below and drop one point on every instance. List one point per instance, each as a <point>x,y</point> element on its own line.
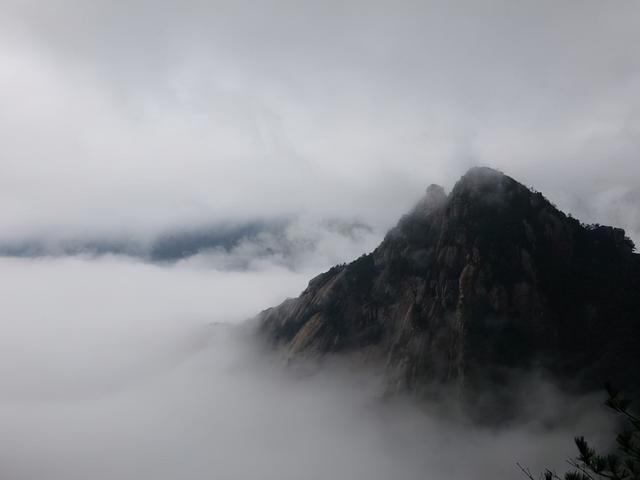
<point>140,115</point>
<point>113,370</point>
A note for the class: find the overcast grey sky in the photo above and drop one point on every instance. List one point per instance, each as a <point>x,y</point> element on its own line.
<point>135,116</point>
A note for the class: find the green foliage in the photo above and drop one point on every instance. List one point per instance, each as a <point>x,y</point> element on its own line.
<point>624,464</point>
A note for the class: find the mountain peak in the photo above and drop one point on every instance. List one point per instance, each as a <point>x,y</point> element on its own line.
<point>478,179</point>
<point>467,286</point>
<point>433,198</point>
<point>484,175</point>
<point>488,185</point>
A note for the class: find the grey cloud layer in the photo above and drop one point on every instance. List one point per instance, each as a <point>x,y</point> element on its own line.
<point>141,115</point>
<point>113,370</point>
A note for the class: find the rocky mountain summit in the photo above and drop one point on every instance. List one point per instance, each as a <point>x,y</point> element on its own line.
<point>489,279</point>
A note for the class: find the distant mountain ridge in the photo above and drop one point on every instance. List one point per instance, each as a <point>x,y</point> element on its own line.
<point>471,285</point>
<point>272,236</point>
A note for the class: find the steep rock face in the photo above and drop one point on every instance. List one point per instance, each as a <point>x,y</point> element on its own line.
<point>471,285</point>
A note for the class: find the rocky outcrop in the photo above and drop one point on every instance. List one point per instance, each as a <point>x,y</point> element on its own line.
<point>472,285</point>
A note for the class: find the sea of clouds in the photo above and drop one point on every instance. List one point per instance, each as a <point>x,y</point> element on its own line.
<point>118,369</point>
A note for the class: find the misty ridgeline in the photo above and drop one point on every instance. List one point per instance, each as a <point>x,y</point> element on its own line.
<point>473,290</point>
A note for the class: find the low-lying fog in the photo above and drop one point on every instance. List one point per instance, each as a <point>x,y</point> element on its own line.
<point>114,369</point>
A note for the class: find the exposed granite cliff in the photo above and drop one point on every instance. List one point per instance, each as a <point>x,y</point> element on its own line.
<point>467,286</point>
